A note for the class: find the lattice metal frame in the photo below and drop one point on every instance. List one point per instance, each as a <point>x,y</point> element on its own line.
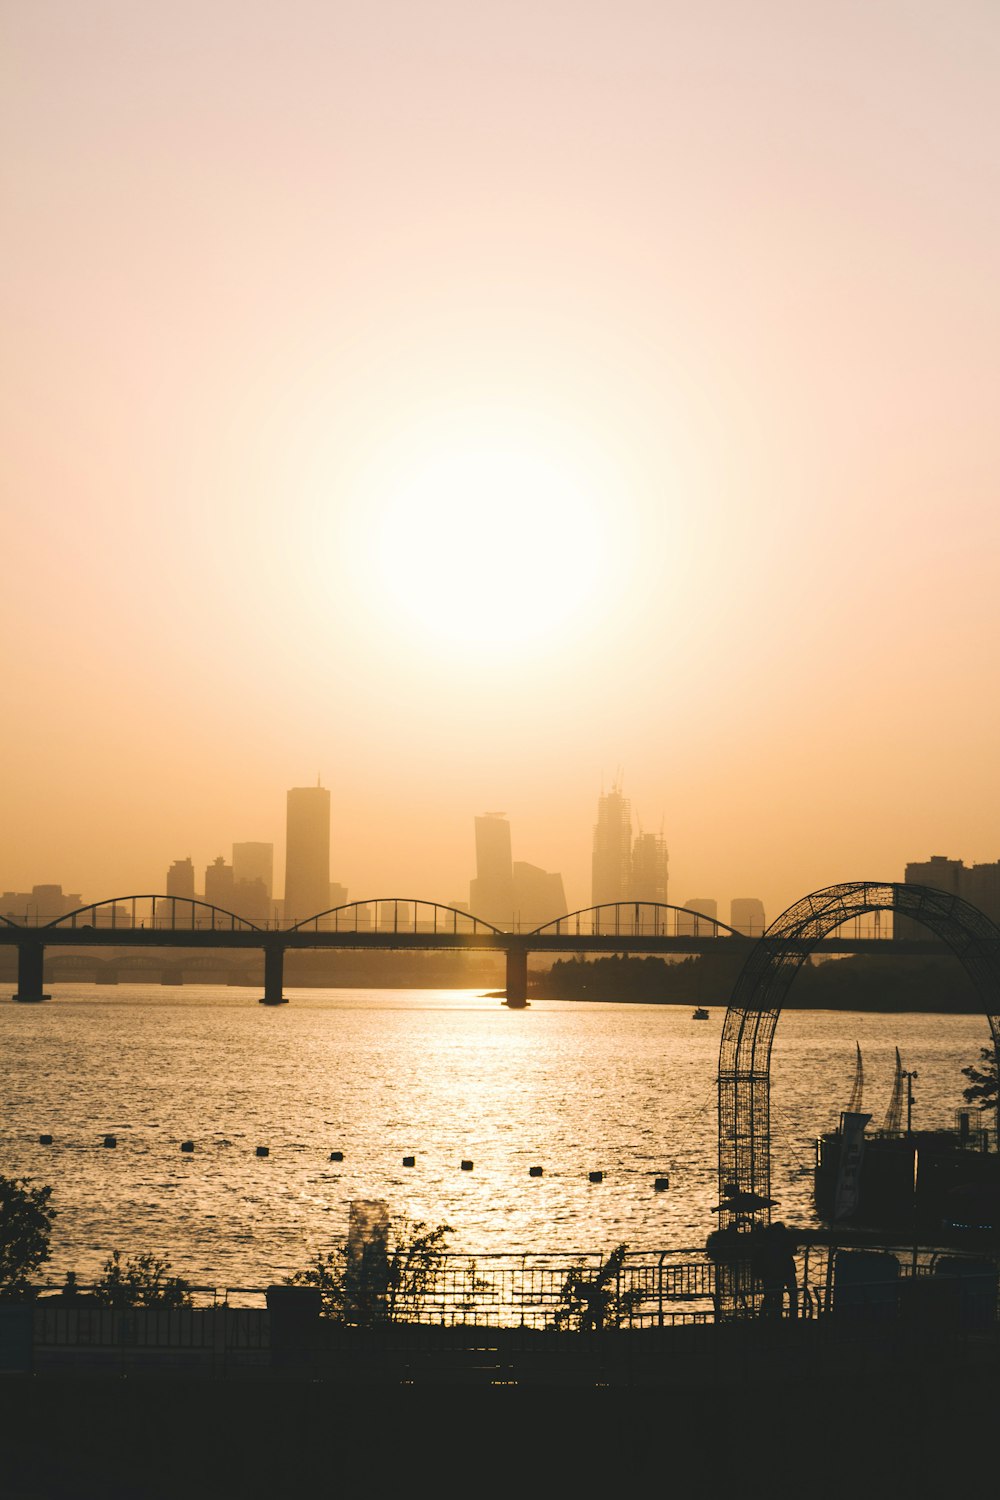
<point>757,999</point>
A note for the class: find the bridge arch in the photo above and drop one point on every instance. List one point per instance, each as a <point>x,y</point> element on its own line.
<point>166,913</point>
<point>395,914</point>
<point>763,983</point>
<point>635,919</point>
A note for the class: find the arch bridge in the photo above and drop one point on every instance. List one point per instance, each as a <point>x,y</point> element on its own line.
<point>382,922</point>
<point>396,922</point>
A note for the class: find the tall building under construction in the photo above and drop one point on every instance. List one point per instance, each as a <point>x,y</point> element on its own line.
<point>649,868</point>
<point>611,867</point>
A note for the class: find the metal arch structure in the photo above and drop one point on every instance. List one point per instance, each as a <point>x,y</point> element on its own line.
<point>355,916</point>
<point>165,914</point>
<point>763,983</point>
<point>632,919</point>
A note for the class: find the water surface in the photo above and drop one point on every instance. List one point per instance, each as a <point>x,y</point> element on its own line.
<point>442,1075</point>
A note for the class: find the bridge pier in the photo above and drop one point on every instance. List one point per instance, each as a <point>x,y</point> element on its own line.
<point>30,972</point>
<point>274,962</point>
<point>517,976</point>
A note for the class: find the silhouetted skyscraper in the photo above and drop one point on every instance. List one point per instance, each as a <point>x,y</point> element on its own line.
<point>219,884</point>
<point>180,879</point>
<point>491,893</point>
<point>253,881</point>
<point>693,926</point>
<point>538,895</point>
<point>254,862</point>
<point>307,852</point>
<point>746,914</point>
<point>611,867</point>
<point>43,903</point>
<point>977,884</point>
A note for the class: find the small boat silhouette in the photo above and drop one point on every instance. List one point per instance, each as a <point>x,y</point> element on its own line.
<point>700,1014</point>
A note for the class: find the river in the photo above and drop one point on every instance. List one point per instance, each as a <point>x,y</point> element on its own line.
<point>440,1075</point>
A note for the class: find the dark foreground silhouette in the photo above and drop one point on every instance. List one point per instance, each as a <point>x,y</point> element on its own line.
<point>765,1430</point>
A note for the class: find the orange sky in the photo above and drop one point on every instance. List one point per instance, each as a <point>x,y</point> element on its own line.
<point>677,322</point>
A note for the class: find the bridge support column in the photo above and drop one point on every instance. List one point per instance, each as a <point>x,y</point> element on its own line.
<point>30,972</point>
<point>517,977</point>
<point>274,960</point>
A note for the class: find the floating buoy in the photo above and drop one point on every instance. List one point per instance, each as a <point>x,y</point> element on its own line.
<point>336,1156</point>
<point>534,1171</point>
<point>466,1166</point>
<point>263,1150</point>
<point>409,1161</point>
<point>187,1145</point>
<point>45,1140</point>
<point>596,1176</point>
<point>111,1142</point>
<point>661,1184</point>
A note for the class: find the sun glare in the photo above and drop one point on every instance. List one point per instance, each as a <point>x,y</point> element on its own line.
<point>485,545</point>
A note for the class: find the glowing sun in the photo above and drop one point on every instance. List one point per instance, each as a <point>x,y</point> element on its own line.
<point>487,544</point>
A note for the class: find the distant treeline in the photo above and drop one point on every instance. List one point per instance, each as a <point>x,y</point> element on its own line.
<point>861,983</point>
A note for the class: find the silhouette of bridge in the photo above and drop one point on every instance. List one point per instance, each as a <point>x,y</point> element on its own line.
<point>399,923</point>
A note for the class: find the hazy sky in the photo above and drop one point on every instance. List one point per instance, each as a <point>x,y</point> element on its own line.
<point>465,399</point>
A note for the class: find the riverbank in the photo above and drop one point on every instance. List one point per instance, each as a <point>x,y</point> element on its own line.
<point>888,984</point>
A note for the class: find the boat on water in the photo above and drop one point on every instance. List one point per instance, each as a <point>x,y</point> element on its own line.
<point>700,1014</point>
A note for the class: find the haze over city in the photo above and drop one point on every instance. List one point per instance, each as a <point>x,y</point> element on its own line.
<point>473,404</point>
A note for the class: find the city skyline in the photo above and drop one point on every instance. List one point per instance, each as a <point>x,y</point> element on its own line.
<point>639,412</point>
<point>627,864</point>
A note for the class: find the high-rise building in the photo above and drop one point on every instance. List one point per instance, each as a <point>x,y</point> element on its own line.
<point>219,884</point>
<point>649,880</point>
<point>611,866</point>
<point>254,862</point>
<point>307,852</point>
<point>692,926</point>
<point>981,887</point>
<point>43,903</point>
<point>250,900</point>
<point>746,914</point>
<point>180,879</point>
<point>939,872</point>
<point>491,892</point>
<point>977,884</point>
<point>538,895</point>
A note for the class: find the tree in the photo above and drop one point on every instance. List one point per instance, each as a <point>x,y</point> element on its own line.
<point>385,1280</point>
<point>599,1301</point>
<point>140,1281</point>
<point>25,1226</point>
<point>982,1088</point>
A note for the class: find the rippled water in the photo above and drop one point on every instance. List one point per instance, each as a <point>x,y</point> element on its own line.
<point>441,1075</point>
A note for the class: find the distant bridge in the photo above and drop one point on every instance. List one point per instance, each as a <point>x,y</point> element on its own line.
<point>393,922</point>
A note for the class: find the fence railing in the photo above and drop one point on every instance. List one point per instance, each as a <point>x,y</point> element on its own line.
<point>647,1290</point>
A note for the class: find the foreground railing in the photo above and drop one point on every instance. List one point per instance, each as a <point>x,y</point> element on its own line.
<point>646,1290</point>
<point>531,1320</point>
